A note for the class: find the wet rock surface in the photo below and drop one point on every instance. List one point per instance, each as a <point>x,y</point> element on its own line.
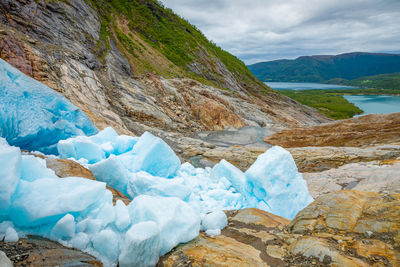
<point>36,251</point>
<point>345,228</point>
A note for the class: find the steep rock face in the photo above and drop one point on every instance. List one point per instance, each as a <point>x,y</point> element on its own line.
<point>59,43</point>
<point>355,132</point>
<point>346,228</point>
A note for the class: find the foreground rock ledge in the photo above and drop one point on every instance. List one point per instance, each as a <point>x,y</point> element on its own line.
<point>344,228</point>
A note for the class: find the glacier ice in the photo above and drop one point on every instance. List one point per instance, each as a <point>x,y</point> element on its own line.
<point>11,235</point>
<point>215,220</point>
<point>35,117</point>
<point>177,221</point>
<point>106,243</point>
<point>34,168</point>
<point>47,200</point>
<point>143,183</point>
<point>141,245</point>
<point>170,203</point>
<point>154,156</point>
<point>122,218</point>
<point>275,180</point>
<point>235,176</point>
<point>10,172</point>
<point>112,172</point>
<point>64,228</point>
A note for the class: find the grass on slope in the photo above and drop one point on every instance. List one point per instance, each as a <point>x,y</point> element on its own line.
<point>172,36</point>
<point>383,81</point>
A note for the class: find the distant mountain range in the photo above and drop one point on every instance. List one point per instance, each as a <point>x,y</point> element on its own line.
<point>327,68</point>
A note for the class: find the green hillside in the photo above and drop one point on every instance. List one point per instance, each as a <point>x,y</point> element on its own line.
<point>383,81</point>
<point>157,40</point>
<point>323,68</point>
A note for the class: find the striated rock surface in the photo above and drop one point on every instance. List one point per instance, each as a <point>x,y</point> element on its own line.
<point>345,228</point>
<point>60,43</point>
<point>374,176</point>
<point>351,228</point>
<point>317,159</point>
<point>37,251</point>
<point>248,240</point>
<point>355,132</point>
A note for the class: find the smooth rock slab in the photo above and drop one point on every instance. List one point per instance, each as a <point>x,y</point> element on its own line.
<point>37,251</point>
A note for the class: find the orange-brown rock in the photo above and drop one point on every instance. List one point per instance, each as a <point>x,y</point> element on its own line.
<point>345,228</point>
<point>21,56</point>
<point>248,240</point>
<point>355,132</point>
<point>352,228</point>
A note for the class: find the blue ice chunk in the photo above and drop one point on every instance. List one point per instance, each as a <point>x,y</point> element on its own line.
<point>235,176</point>
<point>122,219</point>
<point>213,232</point>
<point>106,243</point>
<point>81,147</point>
<point>143,183</point>
<point>176,220</point>
<point>47,200</point>
<point>154,156</point>
<point>124,143</point>
<point>35,117</point>
<point>112,172</point>
<point>11,235</point>
<point>214,220</point>
<point>141,245</point>
<point>33,168</point>
<point>10,172</point>
<point>187,168</point>
<point>108,134</point>
<point>64,228</point>
<point>80,241</point>
<point>275,180</point>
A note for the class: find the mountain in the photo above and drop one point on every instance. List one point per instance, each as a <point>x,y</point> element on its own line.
<point>381,81</point>
<point>326,67</point>
<point>137,66</point>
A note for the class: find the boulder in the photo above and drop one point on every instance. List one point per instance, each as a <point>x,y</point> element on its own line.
<point>344,228</point>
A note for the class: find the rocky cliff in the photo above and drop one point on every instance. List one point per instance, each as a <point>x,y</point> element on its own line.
<point>136,66</point>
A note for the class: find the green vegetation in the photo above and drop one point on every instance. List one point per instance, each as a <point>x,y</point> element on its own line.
<point>322,68</point>
<point>331,104</point>
<point>384,81</point>
<point>173,37</point>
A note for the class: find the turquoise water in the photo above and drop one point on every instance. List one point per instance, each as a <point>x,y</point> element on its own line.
<point>375,103</point>
<point>368,103</point>
<point>305,86</point>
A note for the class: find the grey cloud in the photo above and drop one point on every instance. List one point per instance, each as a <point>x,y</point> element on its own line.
<point>260,30</point>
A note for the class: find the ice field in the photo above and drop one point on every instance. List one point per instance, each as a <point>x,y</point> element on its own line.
<point>171,201</point>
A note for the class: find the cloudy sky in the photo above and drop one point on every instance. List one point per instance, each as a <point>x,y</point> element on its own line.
<point>262,30</point>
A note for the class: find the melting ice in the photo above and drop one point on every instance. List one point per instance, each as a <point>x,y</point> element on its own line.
<point>171,202</point>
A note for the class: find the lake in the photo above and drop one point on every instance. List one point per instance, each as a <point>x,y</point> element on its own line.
<point>305,86</point>
<point>368,103</point>
<point>375,103</point>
